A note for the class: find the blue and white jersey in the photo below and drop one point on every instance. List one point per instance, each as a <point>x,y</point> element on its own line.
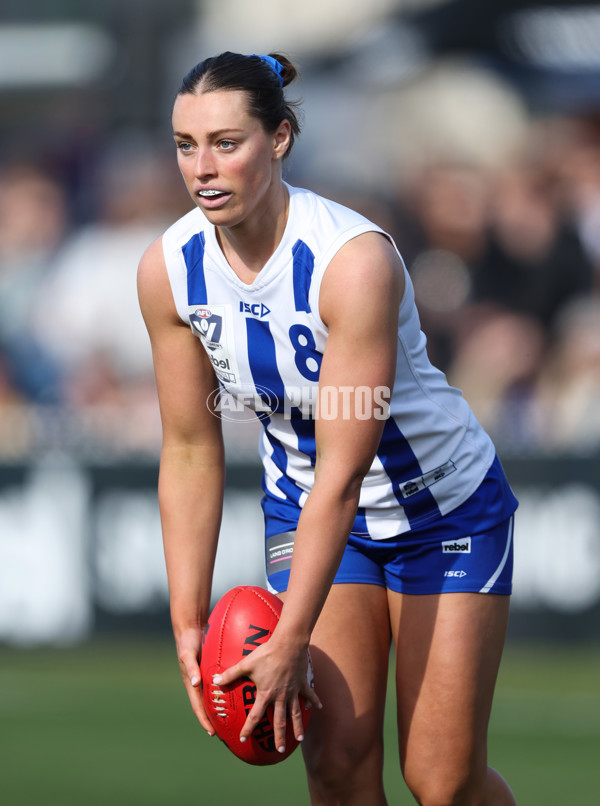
<point>266,343</point>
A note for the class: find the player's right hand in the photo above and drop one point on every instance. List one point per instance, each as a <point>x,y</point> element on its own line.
<point>189,647</point>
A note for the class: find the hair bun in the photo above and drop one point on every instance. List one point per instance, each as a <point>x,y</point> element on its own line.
<point>289,72</point>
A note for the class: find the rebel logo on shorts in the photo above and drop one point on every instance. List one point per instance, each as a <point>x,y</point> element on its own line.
<point>462,546</point>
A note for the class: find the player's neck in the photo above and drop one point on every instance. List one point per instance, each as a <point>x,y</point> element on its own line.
<point>249,245</point>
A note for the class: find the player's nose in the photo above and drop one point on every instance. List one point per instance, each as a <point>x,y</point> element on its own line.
<point>205,165</point>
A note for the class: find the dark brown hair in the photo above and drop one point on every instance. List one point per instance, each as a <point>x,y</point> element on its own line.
<point>254,76</point>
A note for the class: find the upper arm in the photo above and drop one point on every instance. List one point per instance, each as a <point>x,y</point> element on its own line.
<point>359,301</point>
<point>184,375</point>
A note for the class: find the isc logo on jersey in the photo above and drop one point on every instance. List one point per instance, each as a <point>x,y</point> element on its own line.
<point>256,309</point>
<point>462,546</point>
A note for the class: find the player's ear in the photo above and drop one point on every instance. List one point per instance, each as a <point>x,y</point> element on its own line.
<point>281,139</point>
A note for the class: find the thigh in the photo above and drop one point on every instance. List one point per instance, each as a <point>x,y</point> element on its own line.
<point>448,649</point>
<point>350,650</point>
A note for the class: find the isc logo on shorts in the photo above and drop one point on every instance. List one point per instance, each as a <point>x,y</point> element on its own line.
<point>462,546</point>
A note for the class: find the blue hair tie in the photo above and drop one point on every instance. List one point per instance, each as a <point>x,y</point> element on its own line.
<point>275,66</point>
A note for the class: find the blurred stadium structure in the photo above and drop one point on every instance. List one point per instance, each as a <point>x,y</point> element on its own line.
<point>469,130</point>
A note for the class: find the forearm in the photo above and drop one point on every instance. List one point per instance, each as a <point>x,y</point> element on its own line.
<point>346,444</point>
<point>321,537</point>
<point>191,486</point>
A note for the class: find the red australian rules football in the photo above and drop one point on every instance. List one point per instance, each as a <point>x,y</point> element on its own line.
<point>243,619</point>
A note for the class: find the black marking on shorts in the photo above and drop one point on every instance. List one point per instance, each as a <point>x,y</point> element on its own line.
<point>279,552</point>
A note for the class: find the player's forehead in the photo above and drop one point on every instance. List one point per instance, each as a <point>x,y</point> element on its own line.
<point>218,110</point>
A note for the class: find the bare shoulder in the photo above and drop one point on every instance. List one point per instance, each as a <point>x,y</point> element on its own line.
<point>154,289</point>
<point>152,270</point>
<point>367,274</point>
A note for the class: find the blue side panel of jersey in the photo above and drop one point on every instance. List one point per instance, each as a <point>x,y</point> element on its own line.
<point>359,526</point>
<point>263,362</point>
<point>193,254</point>
<point>305,431</point>
<point>262,359</point>
<point>303,265</point>
<point>279,457</point>
<point>399,462</point>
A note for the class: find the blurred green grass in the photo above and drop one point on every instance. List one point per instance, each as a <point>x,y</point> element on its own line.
<point>108,723</point>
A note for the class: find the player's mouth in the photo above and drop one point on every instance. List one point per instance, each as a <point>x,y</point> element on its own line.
<point>212,197</point>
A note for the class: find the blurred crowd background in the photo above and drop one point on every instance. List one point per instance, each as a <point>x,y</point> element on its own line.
<point>468,130</point>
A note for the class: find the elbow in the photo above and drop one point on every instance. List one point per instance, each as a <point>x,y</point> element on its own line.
<point>354,484</point>
<point>346,481</point>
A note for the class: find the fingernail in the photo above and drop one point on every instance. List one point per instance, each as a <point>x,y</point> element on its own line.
<point>209,733</point>
<point>300,738</point>
<point>195,681</point>
<point>216,679</point>
<point>242,739</point>
<point>281,749</point>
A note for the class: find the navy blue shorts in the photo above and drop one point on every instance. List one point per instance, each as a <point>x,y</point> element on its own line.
<point>469,549</point>
<point>419,564</point>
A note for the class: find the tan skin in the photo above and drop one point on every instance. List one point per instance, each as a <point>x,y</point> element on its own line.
<point>222,146</point>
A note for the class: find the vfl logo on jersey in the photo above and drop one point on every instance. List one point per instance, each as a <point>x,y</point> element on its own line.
<point>256,309</point>
<point>209,326</point>
<point>213,324</point>
<point>462,546</point>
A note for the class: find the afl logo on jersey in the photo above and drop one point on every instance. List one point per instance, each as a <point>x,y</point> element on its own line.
<point>208,325</point>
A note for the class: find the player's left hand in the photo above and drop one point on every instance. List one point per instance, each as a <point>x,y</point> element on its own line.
<point>279,672</point>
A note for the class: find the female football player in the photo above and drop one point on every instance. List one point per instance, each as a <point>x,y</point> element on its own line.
<point>381,490</point>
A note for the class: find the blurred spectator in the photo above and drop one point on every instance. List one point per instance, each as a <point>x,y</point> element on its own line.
<point>447,207</point>
<point>34,222</point>
<point>500,238</point>
<point>92,291</point>
<point>496,364</point>
<point>534,261</point>
<point>574,153</point>
<point>568,389</point>
<point>101,343</point>
<point>449,202</point>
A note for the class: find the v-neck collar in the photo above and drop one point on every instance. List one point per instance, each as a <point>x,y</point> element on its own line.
<point>274,264</point>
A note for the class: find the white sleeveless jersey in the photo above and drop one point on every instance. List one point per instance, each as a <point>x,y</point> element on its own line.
<point>266,342</point>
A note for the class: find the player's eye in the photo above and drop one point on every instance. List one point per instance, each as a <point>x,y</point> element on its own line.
<point>226,145</point>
